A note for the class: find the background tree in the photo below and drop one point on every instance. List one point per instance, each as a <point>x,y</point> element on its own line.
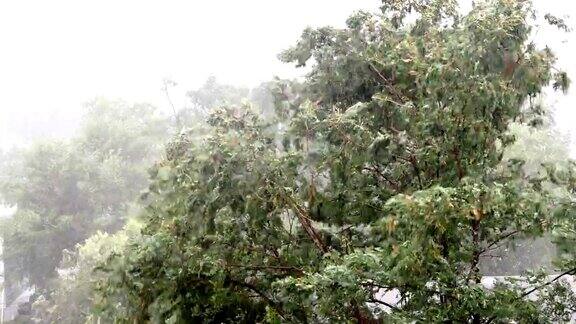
<point>65,191</point>
<point>210,95</point>
<point>71,298</point>
<point>213,94</point>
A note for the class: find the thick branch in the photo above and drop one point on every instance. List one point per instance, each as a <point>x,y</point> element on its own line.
<point>307,225</point>
<point>387,84</point>
<point>416,170</point>
<point>264,267</point>
<point>378,301</point>
<point>459,169</point>
<point>474,270</point>
<point>376,285</point>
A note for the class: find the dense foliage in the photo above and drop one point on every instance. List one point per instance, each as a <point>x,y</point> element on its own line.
<point>536,148</point>
<point>94,177</point>
<point>384,173</point>
<point>66,191</point>
<point>71,296</point>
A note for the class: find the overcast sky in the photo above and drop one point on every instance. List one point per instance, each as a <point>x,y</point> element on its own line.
<point>56,55</point>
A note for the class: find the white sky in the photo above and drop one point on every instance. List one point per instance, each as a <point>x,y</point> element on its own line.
<point>56,55</point>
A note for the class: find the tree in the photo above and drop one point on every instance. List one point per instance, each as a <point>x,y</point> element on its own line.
<point>212,95</point>
<point>66,191</point>
<point>71,297</point>
<point>389,179</point>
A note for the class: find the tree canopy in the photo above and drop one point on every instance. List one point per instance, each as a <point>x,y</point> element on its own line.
<point>383,173</point>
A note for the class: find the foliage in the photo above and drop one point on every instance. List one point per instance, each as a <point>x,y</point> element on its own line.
<point>71,298</point>
<point>94,179</point>
<point>67,190</point>
<point>210,95</point>
<point>389,177</point>
<point>213,94</point>
<point>535,148</point>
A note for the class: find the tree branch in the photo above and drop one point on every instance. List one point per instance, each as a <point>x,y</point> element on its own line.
<point>474,270</point>
<point>260,293</point>
<point>498,240</point>
<point>527,293</point>
<point>307,225</point>
<point>167,93</point>
<point>459,169</point>
<point>264,267</point>
<point>565,273</point>
<point>378,301</point>
<point>375,170</point>
<point>416,170</point>
<point>387,84</point>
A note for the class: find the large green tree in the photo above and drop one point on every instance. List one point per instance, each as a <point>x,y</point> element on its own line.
<point>389,179</point>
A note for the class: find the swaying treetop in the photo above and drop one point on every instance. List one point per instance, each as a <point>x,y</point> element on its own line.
<point>385,177</point>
